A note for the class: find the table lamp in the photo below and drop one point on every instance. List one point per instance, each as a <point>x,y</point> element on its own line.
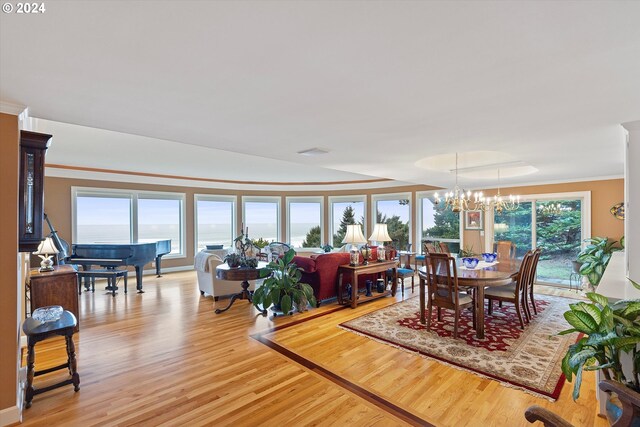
<point>354,236</point>
<point>380,234</point>
<point>45,251</point>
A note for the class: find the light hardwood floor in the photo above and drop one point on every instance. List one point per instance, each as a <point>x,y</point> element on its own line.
<point>164,358</point>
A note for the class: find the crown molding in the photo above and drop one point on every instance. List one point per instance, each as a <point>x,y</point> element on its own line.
<point>13,109</point>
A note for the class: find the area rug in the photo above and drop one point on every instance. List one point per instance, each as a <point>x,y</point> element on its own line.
<point>526,359</point>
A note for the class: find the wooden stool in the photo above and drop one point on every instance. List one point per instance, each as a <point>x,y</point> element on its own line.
<point>37,331</point>
<point>110,274</point>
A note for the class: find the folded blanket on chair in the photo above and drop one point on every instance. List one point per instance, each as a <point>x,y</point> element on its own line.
<point>201,261</point>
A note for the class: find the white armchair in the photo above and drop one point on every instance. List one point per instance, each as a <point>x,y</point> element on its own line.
<point>207,281</point>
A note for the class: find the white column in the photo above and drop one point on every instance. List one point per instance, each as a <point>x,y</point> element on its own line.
<point>632,199</point>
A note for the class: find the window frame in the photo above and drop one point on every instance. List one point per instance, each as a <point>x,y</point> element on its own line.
<point>341,199</point>
<point>375,198</point>
<point>214,198</point>
<point>585,214</point>
<point>420,195</point>
<point>264,199</point>
<point>304,199</point>
<point>133,196</point>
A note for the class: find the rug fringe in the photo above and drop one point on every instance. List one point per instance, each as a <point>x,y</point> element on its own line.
<point>451,365</point>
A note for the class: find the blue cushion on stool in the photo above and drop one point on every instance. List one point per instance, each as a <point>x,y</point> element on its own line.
<point>421,257</point>
<point>404,272</point>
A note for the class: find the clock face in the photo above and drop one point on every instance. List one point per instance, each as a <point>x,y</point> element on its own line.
<point>617,210</point>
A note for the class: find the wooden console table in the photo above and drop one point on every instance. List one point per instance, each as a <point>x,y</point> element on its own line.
<point>371,268</point>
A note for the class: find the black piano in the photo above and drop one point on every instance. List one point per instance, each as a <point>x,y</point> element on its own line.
<point>111,255</point>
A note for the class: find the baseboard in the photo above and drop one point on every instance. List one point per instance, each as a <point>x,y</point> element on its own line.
<point>10,416</point>
<point>169,269</point>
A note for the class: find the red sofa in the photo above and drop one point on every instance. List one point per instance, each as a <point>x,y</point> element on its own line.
<point>321,272</point>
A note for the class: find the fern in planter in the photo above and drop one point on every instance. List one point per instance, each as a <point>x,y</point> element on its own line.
<point>282,286</point>
<point>595,257</point>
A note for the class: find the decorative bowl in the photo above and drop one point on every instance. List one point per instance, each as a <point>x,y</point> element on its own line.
<point>489,257</point>
<point>470,262</point>
<point>49,313</point>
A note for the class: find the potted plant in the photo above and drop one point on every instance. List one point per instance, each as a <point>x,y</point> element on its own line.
<point>260,243</point>
<point>282,286</point>
<point>610,330</point>
<point>234,260</point>
<point>595,257</point>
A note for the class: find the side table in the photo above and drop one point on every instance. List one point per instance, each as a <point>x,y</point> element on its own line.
<point>57,287</point>
<point>371,268</point>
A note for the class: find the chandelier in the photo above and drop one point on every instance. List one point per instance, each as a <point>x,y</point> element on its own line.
<point>551,208</point>
<point>456,200</point>
<point>498,203</point>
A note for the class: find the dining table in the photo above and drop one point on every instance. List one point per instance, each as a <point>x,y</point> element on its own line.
<point>501,273</point>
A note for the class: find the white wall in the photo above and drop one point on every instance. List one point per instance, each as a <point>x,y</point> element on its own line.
<point>632,199</point>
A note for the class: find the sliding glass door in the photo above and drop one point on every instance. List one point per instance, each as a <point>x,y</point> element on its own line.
<point>559,234</point>
<point>557,225</point>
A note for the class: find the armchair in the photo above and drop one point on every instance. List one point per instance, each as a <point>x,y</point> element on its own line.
<point>208,284</point>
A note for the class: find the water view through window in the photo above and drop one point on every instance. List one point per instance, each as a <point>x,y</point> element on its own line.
<point>159,219</point>
<point>304,224</point>
<point>103,219</point>
<point>215,223</point>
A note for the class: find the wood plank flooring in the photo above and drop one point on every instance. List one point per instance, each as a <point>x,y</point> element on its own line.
<point>164,358</point>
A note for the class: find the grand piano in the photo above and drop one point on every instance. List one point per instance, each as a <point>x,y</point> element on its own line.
<point>111,255</point>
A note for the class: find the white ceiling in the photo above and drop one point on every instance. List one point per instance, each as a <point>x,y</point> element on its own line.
<point>381,85</point>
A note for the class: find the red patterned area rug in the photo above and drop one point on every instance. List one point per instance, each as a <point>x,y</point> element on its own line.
<point>526,359</point>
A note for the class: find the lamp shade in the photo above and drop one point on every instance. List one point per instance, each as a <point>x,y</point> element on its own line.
<point>47,247</point>
<point>380,233</point>
<point>354,234</point>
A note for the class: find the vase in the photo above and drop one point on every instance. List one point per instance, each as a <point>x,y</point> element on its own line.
<point>369,285</point>
<point>380,286</point>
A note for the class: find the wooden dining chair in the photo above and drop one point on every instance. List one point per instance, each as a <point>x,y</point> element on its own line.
<point>531,281</point>
<point>514,293</point>
<point>444,248</point>
<point>505,249</point>
<point>429,248</point>
<point>442,286</point>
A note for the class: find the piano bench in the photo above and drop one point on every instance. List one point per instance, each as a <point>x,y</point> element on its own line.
<point>110,274</point>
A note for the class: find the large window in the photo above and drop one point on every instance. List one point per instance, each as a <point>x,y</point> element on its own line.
<point>215,220</point>
<point>395,211</point>
<point>160,219</point>
<point>262,217</point>
<point>304,226</point>
<point>126,216</point>
<point>436,223</point>
<point>556,223</point>
<point>344,211</point>
<point>103,218</point>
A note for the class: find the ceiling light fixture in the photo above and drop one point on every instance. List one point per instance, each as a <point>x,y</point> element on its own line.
<point>497,203</point>
<point>313,152</point>
<point>456,200</point>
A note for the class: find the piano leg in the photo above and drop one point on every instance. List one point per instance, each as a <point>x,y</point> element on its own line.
<point>139,278</point>
<point>158,265</point>
<point>87,281</point>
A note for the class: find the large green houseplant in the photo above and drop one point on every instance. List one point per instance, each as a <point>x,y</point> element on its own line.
<point>282,286</point>
<point>610,329</point>
<point>595,257</point>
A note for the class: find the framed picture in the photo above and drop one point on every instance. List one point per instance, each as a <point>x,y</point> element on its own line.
<point>473,220</point>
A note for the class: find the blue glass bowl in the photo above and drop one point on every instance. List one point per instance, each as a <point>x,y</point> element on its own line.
<point>488,257</point>
<point>470,262</point>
